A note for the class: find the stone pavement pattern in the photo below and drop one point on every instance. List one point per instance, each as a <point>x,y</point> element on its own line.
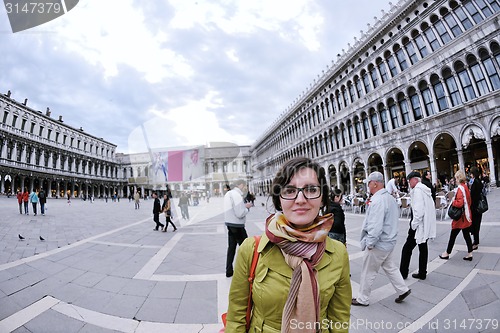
<point>102,268</point>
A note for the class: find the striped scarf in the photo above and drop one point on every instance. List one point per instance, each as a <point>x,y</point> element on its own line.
<point>302,249</point>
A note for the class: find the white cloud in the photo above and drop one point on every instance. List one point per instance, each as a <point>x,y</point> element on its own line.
<point>112,33</point>
<point>192,124</point>
<point>247,17</point>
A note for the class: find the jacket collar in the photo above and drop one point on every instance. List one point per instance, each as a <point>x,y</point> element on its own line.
<point>272,257</point>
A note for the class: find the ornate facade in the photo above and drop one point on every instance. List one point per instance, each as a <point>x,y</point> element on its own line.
<point>37,151</point>
<point>419,90</point>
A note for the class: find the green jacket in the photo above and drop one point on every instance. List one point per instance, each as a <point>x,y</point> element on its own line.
<point>272,283</point>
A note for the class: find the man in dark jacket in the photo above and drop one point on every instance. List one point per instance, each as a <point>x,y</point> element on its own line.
<point>156,212</point>
<point>42,197</point>
<point>426,180</point>
<point>338,228</point>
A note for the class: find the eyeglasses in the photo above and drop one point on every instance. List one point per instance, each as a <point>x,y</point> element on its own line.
<point>309,192</point>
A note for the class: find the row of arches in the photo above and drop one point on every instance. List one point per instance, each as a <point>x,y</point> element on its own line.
<point>443,156</point>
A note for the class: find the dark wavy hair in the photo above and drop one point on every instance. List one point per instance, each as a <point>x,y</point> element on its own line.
<point>286,173</point>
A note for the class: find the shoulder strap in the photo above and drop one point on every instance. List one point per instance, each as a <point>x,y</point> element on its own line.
<point>251,277</point>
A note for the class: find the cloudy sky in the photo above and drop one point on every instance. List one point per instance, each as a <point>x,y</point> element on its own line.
<point>172,73</point>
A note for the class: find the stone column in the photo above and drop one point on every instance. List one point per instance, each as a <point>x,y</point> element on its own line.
<point>407,166</point>
<point>491,162</point>
<point>433,168</point>
<point>461,162</point>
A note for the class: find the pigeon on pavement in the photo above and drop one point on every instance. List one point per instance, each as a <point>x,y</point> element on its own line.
<point>20,237</point>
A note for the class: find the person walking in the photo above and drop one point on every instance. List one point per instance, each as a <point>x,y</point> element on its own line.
<point>475,195</point>
<point>165,207</point>
<point>422,227</point>
<point>337,231</point>
<point>137,200</point>
<point>302,276</point>
<point>156,212</point>
<point>34,201</point>
<point>26,197</point>
<point>462,199</point>
<point>378,238</point>
<point>20,201</point>
<point>183,204</point>
<point>43,200</point>
<point>235,211</point>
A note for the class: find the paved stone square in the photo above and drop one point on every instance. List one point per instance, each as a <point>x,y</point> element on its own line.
<point>102,268</point>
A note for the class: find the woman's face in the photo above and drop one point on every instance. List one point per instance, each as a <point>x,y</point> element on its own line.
<point>301,212</point>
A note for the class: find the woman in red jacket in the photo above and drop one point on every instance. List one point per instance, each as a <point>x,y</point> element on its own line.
<point>462,199</point>
<point>26,196</point>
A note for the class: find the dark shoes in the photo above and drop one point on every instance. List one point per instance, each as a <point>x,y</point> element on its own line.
<point>443,257</point>
<point>355,302</point>
<point>402,297</point>
<point>229,273</point>
<point>418,276</point>
<point>468,258</point>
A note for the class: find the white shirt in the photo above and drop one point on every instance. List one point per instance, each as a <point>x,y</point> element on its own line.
<point>391,187</point>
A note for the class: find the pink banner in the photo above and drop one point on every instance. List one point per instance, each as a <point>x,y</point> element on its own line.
<point>175,166</point>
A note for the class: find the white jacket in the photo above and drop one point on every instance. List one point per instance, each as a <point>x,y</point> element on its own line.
<point>424,213</point>
<point>234,208</point>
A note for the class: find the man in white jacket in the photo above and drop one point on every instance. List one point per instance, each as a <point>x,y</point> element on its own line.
<point>235,211</point>
<point>422,226</point>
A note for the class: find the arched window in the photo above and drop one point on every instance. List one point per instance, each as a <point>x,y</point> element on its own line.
<point>384,118</point>
<point>350,131</point>
<point>405,110</point>
<point>357,84</point>
<point>400,54</point>
<point>374,76</point>
<point>478,75</point>
<point>382,70</point>
<point>333,104</point>
<point>357,127</point>
<point>463,17</point>
<point>344,136</point>
<point>339,100</point>
<point>451,85</point>
<point>421,46</point>
<point>366,81</point>
<point>490,69</point>
<point>393,111</point>
<point>439,92</point>
<point>427,97</point>
<point>391,63</point>
<point>465,81</point>
<point>431,38</point>
<point>350,88</point>
<point>375,123</point>
<point>345,98</point>
<point>410,49</point>
<point>476,16</point>
<point>366,126</point>
<point>452,24</point>
<point>415,104</point>
<point>337,137</point>
<point>443,33</point>
<point>483,7</point>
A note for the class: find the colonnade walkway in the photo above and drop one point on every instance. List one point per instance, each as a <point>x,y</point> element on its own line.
<point>102,268</point>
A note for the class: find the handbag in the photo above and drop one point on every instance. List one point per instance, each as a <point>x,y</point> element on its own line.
<point>251,276</point>
<point>455,213</point>
<point>482,205</point>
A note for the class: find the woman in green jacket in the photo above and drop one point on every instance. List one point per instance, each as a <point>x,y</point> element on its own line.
<point>302,279</point>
